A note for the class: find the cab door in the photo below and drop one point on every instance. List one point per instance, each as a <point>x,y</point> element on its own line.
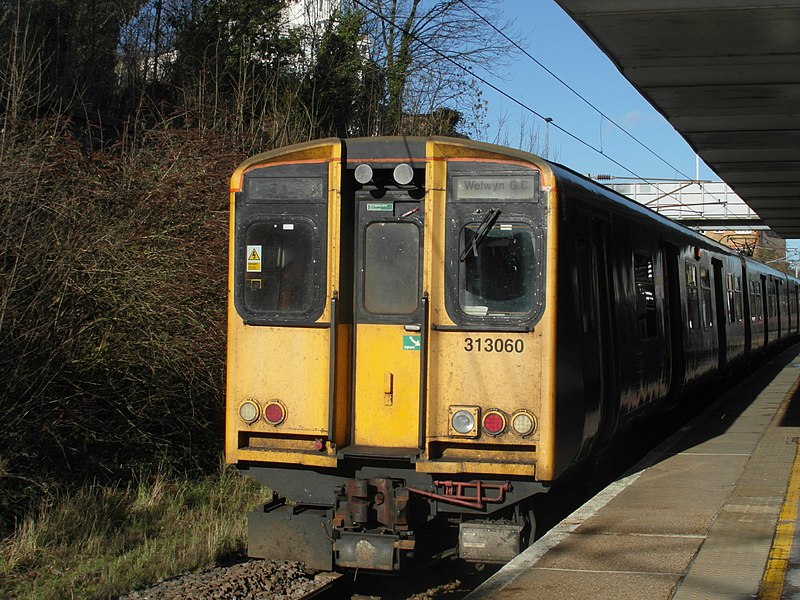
<point>389,320</point>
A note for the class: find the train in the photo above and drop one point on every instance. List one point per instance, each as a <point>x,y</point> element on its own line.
<point>425,333</point>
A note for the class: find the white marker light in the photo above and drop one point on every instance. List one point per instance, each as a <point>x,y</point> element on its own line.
<point>363,174</point>
<point>248,411</point>
<point>403,174</point>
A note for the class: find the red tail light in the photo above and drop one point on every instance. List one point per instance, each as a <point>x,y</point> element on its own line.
<point>494,422</point>
<point>274,413</point>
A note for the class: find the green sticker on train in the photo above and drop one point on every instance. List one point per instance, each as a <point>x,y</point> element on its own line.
<point>380,206</point>
<point>412,342</point>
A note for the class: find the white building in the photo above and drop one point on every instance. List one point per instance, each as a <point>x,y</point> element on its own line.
<point>312,16</point>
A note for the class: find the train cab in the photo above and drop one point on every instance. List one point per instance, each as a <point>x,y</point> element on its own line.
<point>389,304</point>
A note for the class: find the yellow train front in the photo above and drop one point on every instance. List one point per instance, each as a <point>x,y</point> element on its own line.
<point>423,333</point>
<point>391,345</point>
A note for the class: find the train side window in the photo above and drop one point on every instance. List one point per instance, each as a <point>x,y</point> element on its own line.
<point>645,295</point>
<point>496,275</point>
<point>586,285</point>
<point>706,306</point>
<point>731,297</point>
<point>772,309</point>
<point>692,309</point>
<point>756,302</point>
<point>760,299</point>
<point>279,275</point>
<point>738,303</point>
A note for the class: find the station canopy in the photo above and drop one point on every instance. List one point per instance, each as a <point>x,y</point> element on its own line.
<point>726,75</point>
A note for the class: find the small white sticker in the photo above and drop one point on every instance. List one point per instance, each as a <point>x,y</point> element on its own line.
<point>288,226</point>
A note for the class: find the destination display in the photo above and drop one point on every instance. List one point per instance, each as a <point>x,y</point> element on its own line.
<point>495,187</point>
<point>285,189</point>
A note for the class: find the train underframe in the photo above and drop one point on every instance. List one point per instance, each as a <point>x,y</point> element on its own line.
<point>388,519</point>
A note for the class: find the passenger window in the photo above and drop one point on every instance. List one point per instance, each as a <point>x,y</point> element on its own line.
<point>645,295</point>
<point>496,275</point>
<point>707,307</point>
<point>738,306</point>
<point>391,268</point>
<point>756,301</point>
<point>586,285</point>
<point>279,266</point>
<point>731,297</point>
<point>772,308</point>
<point>691,296</point>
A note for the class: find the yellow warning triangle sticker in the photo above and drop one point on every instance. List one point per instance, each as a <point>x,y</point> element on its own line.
<point>254,255</point>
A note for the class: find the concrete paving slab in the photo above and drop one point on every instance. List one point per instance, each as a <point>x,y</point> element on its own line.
<point>733,557</point>
<point>655,510</point>
<point>628,553</point>
<point>549,584</point>
<point>733,443</point>
<point>688,470</point>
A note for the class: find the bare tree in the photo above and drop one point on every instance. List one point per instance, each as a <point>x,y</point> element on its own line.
<point>428,50</point>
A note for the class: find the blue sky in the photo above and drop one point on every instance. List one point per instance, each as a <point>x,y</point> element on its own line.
<point>558,43</point>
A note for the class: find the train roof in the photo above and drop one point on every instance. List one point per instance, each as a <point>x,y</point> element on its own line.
<point>568,178</point>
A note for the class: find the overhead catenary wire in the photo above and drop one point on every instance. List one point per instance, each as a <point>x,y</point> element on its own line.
<point>583,98</point>
<point>508,96</point>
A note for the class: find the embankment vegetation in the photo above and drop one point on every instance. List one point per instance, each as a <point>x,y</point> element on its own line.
<point>120,124</point>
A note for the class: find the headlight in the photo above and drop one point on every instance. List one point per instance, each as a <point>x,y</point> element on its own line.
<point>248,411</point>
<point>463,420</point>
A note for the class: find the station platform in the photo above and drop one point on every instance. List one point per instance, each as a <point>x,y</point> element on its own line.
<point>709,513</point>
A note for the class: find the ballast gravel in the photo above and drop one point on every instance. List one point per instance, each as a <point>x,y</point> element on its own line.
<point>251,580</point>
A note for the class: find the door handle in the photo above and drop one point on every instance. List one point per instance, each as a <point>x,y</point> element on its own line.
<point>412,327</point>
<point>388,388</point>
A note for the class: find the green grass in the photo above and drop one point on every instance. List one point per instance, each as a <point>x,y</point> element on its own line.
<point>100,542</point>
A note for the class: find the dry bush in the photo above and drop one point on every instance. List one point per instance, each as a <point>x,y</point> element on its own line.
<point>112,306</point>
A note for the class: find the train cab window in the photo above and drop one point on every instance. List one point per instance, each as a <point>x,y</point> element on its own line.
<point>692,308</point>
<point>391,266</point>
<point>645,295</point>
<point>279,275</point>
<point>707,308</point>
<point>495,245</point>
<point>496,273</point>
<point>279,244</point>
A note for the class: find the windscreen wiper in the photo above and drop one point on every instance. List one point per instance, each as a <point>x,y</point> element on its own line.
<point>483,230</point>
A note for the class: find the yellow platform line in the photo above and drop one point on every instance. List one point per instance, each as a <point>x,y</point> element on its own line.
<point>778,561</point>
